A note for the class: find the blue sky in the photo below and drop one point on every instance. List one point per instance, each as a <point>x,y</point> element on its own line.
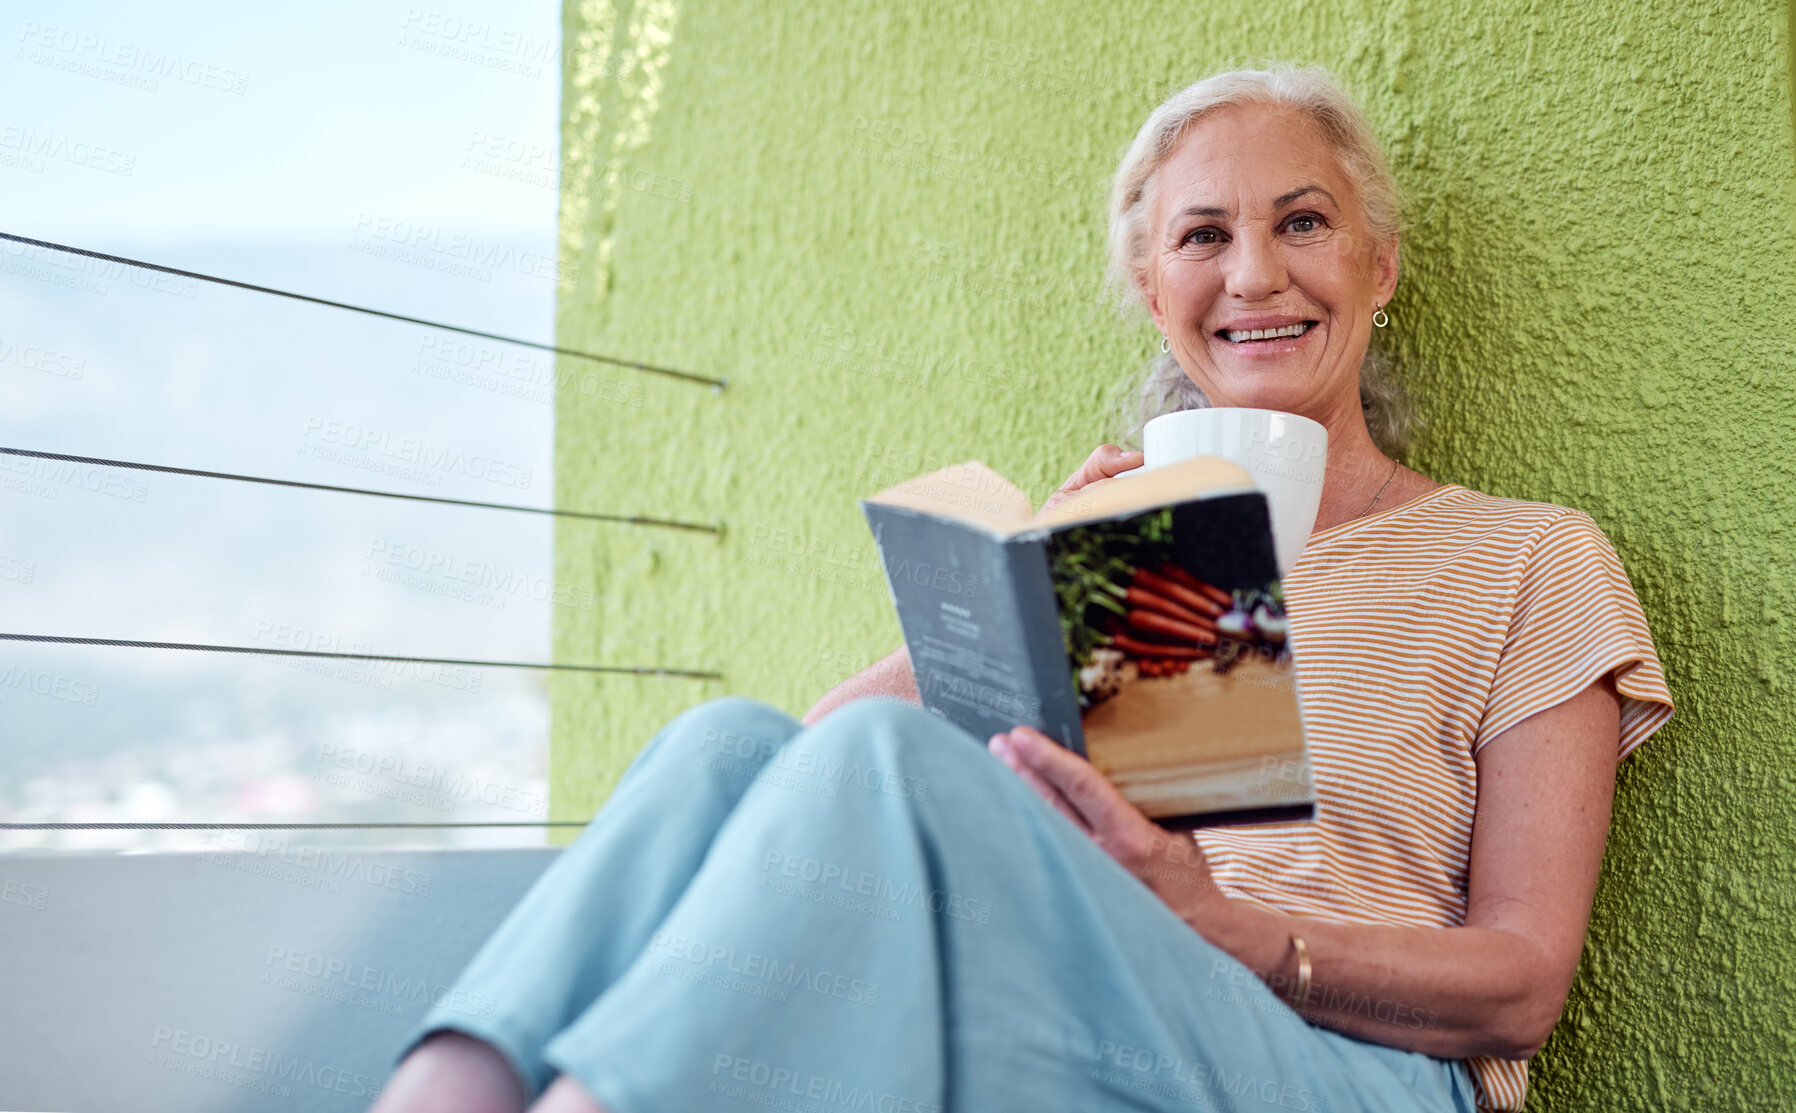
<point>277,121</point>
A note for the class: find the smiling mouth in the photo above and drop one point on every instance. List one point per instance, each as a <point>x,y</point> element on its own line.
<point>1261,336</point>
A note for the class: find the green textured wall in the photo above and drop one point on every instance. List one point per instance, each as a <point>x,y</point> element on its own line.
<point>882,221</point>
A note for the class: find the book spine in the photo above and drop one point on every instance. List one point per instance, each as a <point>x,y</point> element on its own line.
<point>1038,622</point>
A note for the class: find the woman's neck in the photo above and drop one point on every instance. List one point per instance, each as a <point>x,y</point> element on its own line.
<point>1359,478</point>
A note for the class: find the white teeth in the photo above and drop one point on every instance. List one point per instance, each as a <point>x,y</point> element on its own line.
<point>1236,336</point>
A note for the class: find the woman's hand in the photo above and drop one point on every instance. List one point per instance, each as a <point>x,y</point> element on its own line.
<point>1170,864</point>
<point>1106,460</point>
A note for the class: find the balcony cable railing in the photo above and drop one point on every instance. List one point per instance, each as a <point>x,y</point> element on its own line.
<point>716,384</point>
<point>634,365</point>
<point>622,519</point>
<point>269,651</point>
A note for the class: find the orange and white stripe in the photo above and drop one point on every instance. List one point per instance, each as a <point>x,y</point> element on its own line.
<point>1420,634</point>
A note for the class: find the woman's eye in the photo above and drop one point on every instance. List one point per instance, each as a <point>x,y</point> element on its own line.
<point>1201,236</point>
<point>1304,223</point>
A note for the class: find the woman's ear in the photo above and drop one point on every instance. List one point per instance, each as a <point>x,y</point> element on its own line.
<point>1388,269</point>
<point>1150,296</point>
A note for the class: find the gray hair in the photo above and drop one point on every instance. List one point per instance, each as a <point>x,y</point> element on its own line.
<point>1163,387</point>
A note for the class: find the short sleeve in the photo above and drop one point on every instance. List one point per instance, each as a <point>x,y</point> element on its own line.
<point>1576,618</point>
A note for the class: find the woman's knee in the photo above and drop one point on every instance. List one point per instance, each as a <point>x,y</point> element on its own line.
<point>726,740</point>
<point>891,736</point>
<point>883,745</point>
<point>734,727</point>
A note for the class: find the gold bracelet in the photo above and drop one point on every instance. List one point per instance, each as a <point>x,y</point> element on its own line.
<point>1301,995</point>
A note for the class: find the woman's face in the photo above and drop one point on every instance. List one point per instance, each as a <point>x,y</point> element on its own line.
<point>1254,226</point>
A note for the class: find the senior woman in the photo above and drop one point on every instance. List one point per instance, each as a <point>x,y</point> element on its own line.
<point>870,910</point>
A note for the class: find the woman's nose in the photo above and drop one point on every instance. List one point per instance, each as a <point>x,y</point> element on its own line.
<point>1254,270</point>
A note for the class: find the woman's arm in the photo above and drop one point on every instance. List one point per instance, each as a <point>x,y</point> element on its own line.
<point>889,676</point>
<point>1494,987</point>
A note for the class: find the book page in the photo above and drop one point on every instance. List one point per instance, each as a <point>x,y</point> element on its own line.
<point>1146,489</point>
<point>976,495</point>
<point>969,492</point>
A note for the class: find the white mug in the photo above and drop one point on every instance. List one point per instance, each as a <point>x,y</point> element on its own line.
<point>1286,454</point>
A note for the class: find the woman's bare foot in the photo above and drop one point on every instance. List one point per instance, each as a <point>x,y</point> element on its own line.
<point>452,1073</point>
<point>566,1096</point>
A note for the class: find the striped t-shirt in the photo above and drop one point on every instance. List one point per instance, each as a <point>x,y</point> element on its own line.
<point>1421,633</point>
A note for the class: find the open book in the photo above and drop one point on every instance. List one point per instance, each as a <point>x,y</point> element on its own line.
<point>1138,621</point>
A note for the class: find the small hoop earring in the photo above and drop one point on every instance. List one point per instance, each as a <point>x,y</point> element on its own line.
<point>1165,344</point>
<point>1380,317</point>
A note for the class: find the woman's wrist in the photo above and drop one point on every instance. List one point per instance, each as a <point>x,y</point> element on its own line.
<point>1174,867</point>
<point>1255,937</point>
<point>1201,903</point>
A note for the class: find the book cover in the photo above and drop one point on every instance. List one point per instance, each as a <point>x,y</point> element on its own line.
<point>1139,622</point>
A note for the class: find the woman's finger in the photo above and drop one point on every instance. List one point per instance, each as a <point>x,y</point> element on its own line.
<point>1105,462</point>
<point>1171,864</point>
<point>1000,745</point>
<point>1101,808</point>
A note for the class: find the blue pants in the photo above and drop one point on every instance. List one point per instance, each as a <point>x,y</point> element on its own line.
<point>874,913</point>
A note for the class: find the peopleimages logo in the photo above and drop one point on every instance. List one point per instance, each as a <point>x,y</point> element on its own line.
<point>67,689</point>
<point>1196,1080</point>
<point>21,893</point>
<point>425,459</point>
<point>377,673</point>
<point>524,375</point>
<point>463,248</point>
<point>100,481</point>
<point>753,969</point>
<point>353,983</point>
<point>253,1068</point>
<point>853,880</point>
<point>773,1086</point>
<point>36,146</point>
<point>122,62</point>
<point>73,271</point>
<point>809,763</point>
<point>454,569</point>
<point>321,864</point>
<point>538,50</point>
<point>951,581</point>
<point>36,358</point>
<point>450,784</point>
